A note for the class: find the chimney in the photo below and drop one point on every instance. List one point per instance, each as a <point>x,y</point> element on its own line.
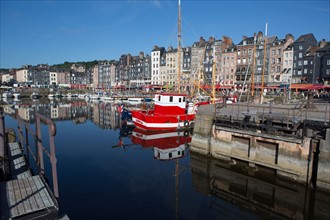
<point>201,40</point>
<point>322,43</point>
<point>259,36</point>
<point>288,36</point>
<point>211,39</point>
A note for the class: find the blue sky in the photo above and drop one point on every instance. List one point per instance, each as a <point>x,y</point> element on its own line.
<point>55,31</point>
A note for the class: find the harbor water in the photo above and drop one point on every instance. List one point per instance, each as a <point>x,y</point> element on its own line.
<point>107,170</point>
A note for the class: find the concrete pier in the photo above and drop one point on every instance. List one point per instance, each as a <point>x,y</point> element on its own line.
<point>323,174</point>
<point>291,157</point>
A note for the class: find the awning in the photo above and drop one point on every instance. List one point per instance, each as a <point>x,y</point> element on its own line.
<point>266,87</point>
<point>218,86</point>
<point>308,86</point>
<point>315,87</point>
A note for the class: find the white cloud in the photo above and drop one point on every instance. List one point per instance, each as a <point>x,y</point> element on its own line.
<point>156,3</point>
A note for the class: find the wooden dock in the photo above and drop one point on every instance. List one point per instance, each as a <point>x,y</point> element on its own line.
<point>25,196</point>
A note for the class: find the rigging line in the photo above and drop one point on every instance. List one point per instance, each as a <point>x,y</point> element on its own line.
<point>171,40</point>
<point>196,36</point>
<point>247,70</point>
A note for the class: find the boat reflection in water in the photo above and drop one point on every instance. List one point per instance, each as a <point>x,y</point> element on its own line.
<point>239,192</point>
<point>166,145</point>
<point>220,190</point>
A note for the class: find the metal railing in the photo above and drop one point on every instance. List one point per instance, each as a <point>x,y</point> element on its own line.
<point>2,136</point>
<point>24,130</point>
<point>2,145</point>
<point>291,115</point>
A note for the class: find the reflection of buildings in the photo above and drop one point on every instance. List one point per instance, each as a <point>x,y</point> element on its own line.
<point>239,192</point>
<point>25,113</point>
<point>104,115</point>
<point>8,110</point>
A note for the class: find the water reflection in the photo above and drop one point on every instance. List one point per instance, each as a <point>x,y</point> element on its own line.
<point>104,115</point>
<point>212,190</point>
<point>166,145</point>
<point>239,192</point>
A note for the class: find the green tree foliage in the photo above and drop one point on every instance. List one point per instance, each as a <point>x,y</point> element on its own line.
<point>67,65</point>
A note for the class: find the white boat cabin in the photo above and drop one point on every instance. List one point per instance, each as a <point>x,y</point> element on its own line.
<point>168,99</point>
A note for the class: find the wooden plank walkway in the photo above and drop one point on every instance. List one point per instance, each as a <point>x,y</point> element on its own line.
<point>25,196</point>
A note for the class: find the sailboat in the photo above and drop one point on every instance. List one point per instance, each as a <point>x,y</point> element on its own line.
<point>171,111</point>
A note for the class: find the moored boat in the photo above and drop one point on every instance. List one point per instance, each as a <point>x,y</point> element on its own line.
<point>170,112</point>
<point>35,95</point>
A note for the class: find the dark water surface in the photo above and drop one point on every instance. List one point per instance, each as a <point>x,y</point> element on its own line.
<point>101,179</point>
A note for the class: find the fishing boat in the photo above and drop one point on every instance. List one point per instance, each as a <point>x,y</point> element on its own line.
<point>171,111</point>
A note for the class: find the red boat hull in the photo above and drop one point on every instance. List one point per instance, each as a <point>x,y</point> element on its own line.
<point>148,120</point>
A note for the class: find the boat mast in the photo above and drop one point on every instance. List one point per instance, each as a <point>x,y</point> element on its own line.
<point>179,46</point>
<point>254,64</point>
<point>264,67</point>
<point>213,75</point>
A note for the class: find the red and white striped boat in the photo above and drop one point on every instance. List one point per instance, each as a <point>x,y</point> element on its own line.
<point>170,113</point>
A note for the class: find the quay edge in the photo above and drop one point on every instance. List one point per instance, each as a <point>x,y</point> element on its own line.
<point>305,160</point>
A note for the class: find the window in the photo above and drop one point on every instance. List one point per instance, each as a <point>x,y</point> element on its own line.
<point>300,55</point>
<point>328,62</point>
<point>305,62</point>
<point>171,98</point>
<point>300,47</point>
<point>179,99</point>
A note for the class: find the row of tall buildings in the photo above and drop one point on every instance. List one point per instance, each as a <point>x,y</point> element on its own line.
<point>258,60</point>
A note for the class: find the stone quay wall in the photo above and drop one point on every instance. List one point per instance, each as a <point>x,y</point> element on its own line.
<point>291,157</point>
